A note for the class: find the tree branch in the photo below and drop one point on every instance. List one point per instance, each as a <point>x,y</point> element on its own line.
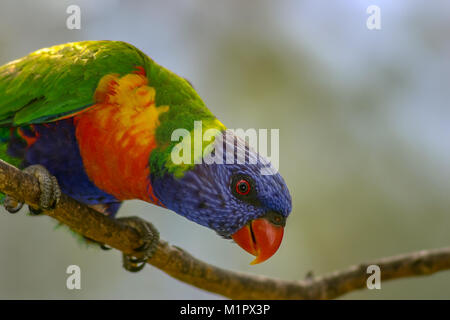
<point>184,267</point>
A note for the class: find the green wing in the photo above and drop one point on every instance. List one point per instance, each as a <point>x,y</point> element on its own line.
<point>61,80</point>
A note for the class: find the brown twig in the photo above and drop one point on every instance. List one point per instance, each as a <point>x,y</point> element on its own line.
<point>184,267</point>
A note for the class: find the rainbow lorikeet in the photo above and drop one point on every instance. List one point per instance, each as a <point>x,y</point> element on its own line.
<point>94,120</point>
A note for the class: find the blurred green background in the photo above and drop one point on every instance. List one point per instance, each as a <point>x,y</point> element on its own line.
<point>364,128</point>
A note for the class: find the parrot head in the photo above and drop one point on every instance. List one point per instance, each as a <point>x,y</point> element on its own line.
<point>235,199</point>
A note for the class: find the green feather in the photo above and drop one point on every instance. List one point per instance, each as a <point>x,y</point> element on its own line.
<point>57,81</point>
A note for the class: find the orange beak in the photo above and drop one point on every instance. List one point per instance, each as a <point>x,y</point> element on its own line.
<point>260,238</point>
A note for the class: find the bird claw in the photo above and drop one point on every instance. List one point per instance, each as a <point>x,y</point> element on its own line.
<point>50,191</point>
<point>48,185</point>
<point>150,237</point>
<point>12,205</point>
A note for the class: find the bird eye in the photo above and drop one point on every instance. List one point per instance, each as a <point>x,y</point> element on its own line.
<point>242,187</point>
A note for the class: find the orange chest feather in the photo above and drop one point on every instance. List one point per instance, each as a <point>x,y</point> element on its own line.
<point>117,135</point>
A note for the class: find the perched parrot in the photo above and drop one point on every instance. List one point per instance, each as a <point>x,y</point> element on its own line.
<point>94,120</point>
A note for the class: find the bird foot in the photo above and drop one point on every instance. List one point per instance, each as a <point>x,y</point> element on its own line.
<point>48,185</point>
<point>150,237</point>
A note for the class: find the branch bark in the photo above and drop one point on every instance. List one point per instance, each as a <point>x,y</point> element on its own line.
<point>184,267</point>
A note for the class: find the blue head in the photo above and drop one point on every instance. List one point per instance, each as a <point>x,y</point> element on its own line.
<point>236,200</point>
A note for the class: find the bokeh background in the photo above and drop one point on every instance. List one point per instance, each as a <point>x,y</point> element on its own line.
<point>364,127</point>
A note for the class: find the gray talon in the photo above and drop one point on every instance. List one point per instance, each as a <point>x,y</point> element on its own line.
<point>104,247</point>
<point>12,205</point>
<point>150,237</point>
<point>50,191</point>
